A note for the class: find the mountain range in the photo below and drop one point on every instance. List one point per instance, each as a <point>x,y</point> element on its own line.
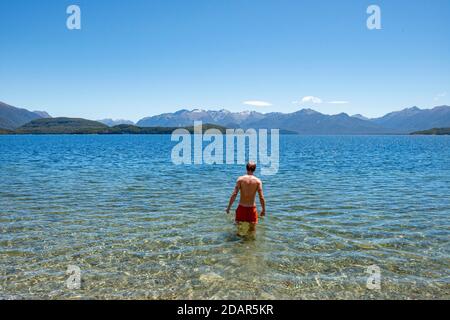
<point>112,123</point>
<point>12,117</point>
<point>308,121</point>
<point>415,119</point>
<point>305,121</point>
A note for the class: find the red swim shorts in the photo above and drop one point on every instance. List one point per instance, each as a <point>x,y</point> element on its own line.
<point>246,214</point>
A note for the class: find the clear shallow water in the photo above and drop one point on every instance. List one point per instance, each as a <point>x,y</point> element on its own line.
<point>140,227</point>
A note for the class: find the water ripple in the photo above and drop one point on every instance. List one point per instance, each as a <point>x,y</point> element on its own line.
<point>142,228</point>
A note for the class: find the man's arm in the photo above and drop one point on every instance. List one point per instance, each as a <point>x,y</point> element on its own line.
<point>262,200</point>
<point>233,195</point>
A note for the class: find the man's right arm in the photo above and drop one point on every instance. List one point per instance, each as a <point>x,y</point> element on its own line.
<point>261,199</point>
<point>233,196</point>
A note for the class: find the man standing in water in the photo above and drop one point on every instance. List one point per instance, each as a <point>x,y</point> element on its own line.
<point>246,213</point>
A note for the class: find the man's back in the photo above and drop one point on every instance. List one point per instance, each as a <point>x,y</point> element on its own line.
<point>249,186</point>
<point>246,213</point>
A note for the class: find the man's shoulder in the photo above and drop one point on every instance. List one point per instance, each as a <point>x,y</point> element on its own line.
<point>249,179</point>
<point>253,179</point>
<point>256,179</point>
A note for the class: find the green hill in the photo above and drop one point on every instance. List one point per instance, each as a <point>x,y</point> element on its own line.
<point>434,131</point>
<point>131,129</point>
<point>83,126</point>
<point>62,126</point>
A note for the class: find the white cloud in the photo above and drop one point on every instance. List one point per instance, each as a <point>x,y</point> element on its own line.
<point>338,102</point>
<point>257,103</point>
<point>311,99</point>
<point>440,95</point>
<point>317,100</point>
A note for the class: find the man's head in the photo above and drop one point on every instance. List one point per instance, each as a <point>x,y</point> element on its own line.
<point>251,167</point>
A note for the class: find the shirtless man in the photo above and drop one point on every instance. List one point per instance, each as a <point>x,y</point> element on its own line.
<point>246,213</point>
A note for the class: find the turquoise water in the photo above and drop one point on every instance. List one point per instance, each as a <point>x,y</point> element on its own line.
<point>140,227</point>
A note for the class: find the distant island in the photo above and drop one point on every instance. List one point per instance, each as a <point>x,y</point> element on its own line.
<point>434,131</point>
<point>83,126</point>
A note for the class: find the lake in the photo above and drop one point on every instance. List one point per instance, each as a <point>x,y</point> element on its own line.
<point>140,227</point>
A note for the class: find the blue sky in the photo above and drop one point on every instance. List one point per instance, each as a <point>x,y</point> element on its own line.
<point>138,58</point>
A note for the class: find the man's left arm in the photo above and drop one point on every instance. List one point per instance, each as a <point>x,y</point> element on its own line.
<point>261,199</point>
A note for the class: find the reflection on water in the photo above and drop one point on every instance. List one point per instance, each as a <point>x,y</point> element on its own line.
<point>140,227</point>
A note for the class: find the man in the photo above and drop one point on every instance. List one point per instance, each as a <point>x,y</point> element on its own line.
<point>246,213</point>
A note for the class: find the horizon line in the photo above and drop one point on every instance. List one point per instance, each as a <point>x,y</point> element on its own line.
<point>223,109</point>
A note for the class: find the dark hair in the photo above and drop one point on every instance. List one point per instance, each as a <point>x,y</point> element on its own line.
<point>251,166</point>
